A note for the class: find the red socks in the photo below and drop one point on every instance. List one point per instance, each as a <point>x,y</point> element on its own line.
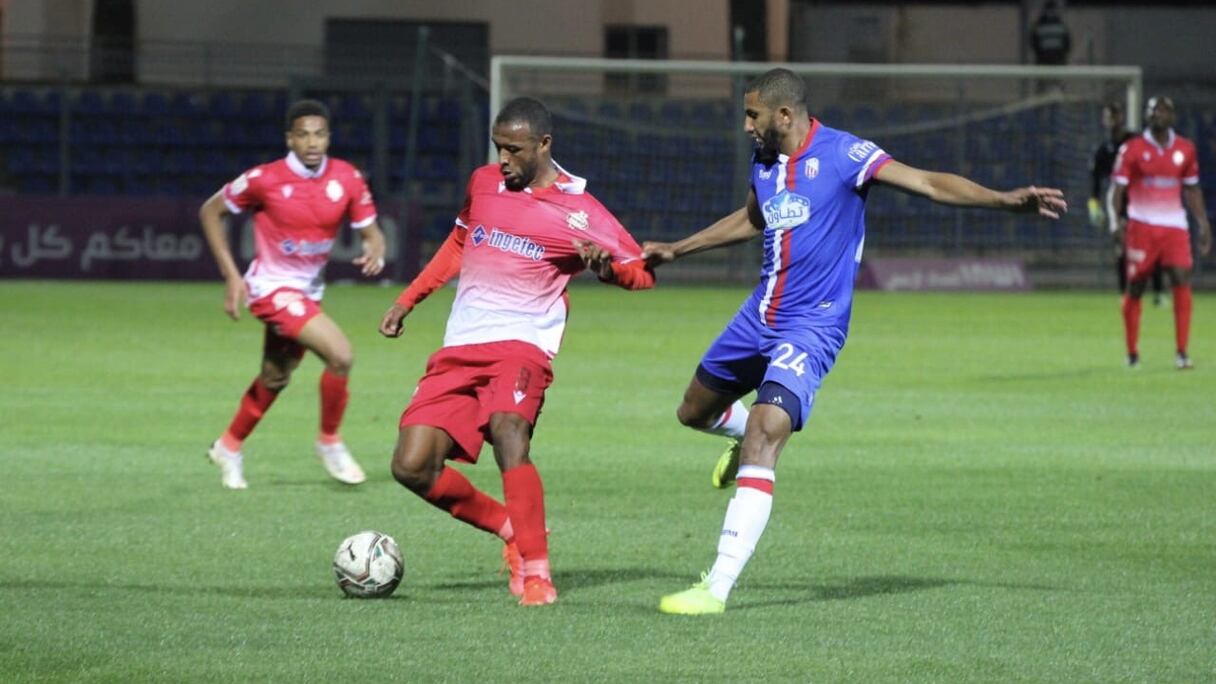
<point>333,402</point>
<point>254,404</point>
<point>453,492</point>
<point>1182,316</point>
<point>1131,320</point>
<point>525,498</point>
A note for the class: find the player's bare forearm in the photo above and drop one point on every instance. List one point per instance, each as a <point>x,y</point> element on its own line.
<point>1115,199</point>
<point>731,229</point>
<point>211,215</point>
<point>372,260</point>
<point>1193,196</point>
<point>954,190</point>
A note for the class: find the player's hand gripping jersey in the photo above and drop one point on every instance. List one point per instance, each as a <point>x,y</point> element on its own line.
<point>515,252</point>
<point>813,203</point>
<point>299,212</point>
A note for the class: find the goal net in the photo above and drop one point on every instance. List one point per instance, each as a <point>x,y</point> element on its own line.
<point>662,145</point>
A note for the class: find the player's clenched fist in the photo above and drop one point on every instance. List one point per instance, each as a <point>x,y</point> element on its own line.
<point>392,324</point>
<point>655,253</point>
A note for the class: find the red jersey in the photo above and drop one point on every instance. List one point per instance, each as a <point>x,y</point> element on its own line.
<point>299,212</point>
<point>519,255</point>
<point>1154,176</point>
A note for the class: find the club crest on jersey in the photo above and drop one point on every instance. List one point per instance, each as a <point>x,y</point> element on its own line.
<point>861,149</point>
<point>577,220</point>
<point>292,301</point>
<point>1179,157</point>
<point>811,168</point>
<point>479,235</point>
<point>287,190</point>
<point>333,190</point>
<point>786,210</point>
<point>500,239</point>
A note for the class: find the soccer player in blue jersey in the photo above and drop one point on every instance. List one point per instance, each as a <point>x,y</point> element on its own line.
<point>808,191</point>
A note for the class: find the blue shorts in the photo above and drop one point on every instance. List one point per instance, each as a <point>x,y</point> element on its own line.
<point>748,354</point>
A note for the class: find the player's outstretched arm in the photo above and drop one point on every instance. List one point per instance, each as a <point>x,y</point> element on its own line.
<point>371,262</point>
<point>211,215</point>
<point>952,189</point>
<point>739,226</point>
<point>1194,201</point>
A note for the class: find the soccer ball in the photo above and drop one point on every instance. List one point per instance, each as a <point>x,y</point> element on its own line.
<point>368,565</point>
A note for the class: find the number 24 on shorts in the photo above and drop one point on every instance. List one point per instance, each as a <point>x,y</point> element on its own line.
<point>785,359</point>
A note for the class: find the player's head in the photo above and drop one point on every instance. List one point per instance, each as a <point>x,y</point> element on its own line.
<point>772,103</point>
<point>307,127</point>
<point>523,135</point>
<point>1112,116</point>
<point>1159,113</point>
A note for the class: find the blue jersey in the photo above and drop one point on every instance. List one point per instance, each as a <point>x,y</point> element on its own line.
<point>813,204</point>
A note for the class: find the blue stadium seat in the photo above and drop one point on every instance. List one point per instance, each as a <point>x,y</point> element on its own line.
<point>155,104</point>
<point>122,105</point>
<point>89,103</point>
<point>222,106</point>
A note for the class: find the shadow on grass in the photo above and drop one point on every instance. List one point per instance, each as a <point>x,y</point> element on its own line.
<point>312,591</point>
<point>576,578</point>
<point>862,587</point>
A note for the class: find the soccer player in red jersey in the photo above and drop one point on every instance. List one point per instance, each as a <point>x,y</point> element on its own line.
<point>1157,172</point>
<point>527,226</point>
<point>299,203</point>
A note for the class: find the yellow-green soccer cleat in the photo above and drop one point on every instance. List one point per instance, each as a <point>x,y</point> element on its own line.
<point>696,600</point>
<point>727,466</point>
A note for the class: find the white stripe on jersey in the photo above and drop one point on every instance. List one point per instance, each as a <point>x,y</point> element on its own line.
<point>861,175</point>
<point>775,264</point>
<point>774,269</point>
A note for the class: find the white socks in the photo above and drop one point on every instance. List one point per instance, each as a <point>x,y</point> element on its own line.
<point>731,423</point>
<point>746,517</point>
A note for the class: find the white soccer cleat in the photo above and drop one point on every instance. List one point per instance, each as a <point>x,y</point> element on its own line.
<point>339,463</point>
<point>231,463</point>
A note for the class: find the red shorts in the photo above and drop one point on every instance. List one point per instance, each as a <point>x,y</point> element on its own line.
<point>464,385</point>
<point>1149,246</point>
<point>285,310</point>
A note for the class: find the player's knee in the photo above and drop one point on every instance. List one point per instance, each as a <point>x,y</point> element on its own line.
<point>693,417</point>
<point>275,378</point>
<point>415,474</point>
<point>341,361</point>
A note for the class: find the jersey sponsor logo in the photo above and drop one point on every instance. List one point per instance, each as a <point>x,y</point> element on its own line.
<point>239,184</point>
<point>333,190</point>
<point>811,168</point>
<point>1178,157</point>
<point>1159,182</point>
<point>577,220</point>
<point>367,197</point>
<point>1146,156</point>
<point>305,247</point>
<point>479,235</point>
<point>861,149</point>
<point>502,240</point>
<point>287,190</point>
<point>766,174</point>
<point>786,210</point>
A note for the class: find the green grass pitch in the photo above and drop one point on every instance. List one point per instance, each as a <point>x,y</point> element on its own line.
<point>984,493</point>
